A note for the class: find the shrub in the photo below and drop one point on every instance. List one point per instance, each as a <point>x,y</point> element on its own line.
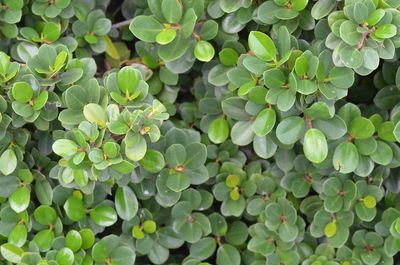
<point>199,132</point>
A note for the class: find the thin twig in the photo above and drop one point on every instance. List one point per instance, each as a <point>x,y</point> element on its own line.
<point>121,24</point>
<point>364,36</point>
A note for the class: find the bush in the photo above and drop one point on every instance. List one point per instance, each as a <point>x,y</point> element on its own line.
<point>199,132</point>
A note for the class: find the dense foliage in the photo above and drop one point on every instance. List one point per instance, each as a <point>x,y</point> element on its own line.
<point>199,132</point>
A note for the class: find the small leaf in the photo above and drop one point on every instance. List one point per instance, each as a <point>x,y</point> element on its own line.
<point>19,200</point>
<point>8,162</point>
<point>166,36</point>
<point>386,31</point>
<point>264,122</point>
<point>96,114</point>
<point>75,209</point>
<point>218,130</point>
<point>330,229</point>
<point>361,128</point>
<point>172,10</point>
<point>145,28</point>
<point>126,203</point>
<point>315,146</point>
<point>65,256</point>
<point>232,181</point>
<point>22,92</point>
<point>262,46</point>
<point>135,146</point>
<point>369,201</point>
<point>65,147</point>
<point>345,158</point>
<point>104,215</point>
<point>204,51</point>
<point>45,215</point>
<point>51,31</point>
<point>128,79</point>
<point>149,226</point>
<point>11,252</point>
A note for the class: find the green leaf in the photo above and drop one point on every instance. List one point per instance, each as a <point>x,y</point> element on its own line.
<point>228,56</point>
<point>123,255</point>
<point>149,226</point>
<point>262,46</point>
<point>318,110</point>
<point>385,131</point>
<point>242,133</point>
<point>315,146</point>
<point>45,215</point>
<point>153,161</point>
<point>361,128</point>
<point>19,200</point>
<point>137,232</point>
<point>172,10</point>
<point>218,130</point>
<point>41,100</point>
<point>386,31</point>
<point>103,215</point>
<point>203,249</point>
<point>100,251</point>
<point>274,78</point>
<point>87,238</point>
<point>166,36</point>
<point>135,146</point>
<point>383,154</point>
<point>128,79</point>
<point>341,77</point>
<point>112,51</point>
<point>178,181</point>
<point>290,130</point>
<point>51,31</point>
<point>301,66</point>
<point>287,232</point>
<point>18,235</point>
<point>4,63</point>
<point>95,113</point>
<point>145,28</point>
<point>44,239</point>
<point>65,256</point>
<point>369,201</point>
<point>227,254</point>
<point>8,162</point>
<point>65,147</point>
<point>322,8</point>
<point>204,51</point>
<point>75,209</point>
<point>196,155</point>
<point>73,240</point>
<point>349,33</point>
<point>174,50</point>
<point>351,57</point>
<point>11,252</point>
<point>175,155</point>
<point>232,181</point>
<point>22,92</point>
<point>345,158</point>
<point>330,229</point>
<point>360,12</point>
<point>126,203</point>
<point>264,122</point>
<point>375,17</point>
<point>396,132</point>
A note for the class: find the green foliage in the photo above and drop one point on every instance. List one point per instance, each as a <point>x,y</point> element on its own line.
<point>199,132</point>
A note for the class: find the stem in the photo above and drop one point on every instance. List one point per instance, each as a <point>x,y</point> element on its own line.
<point>364,37</point>
<point>122,23</point>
